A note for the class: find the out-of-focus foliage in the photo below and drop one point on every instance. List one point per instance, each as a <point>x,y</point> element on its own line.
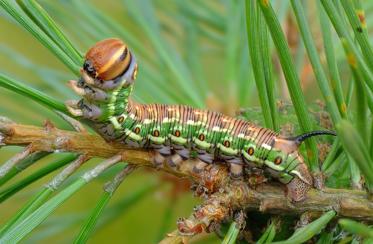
<point>197,53</point>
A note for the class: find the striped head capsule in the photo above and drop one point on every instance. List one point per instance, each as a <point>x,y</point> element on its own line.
<point>107,59</point>
<point>108,72</point>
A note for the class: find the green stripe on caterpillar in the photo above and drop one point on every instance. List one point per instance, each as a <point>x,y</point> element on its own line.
<point>175,131</point>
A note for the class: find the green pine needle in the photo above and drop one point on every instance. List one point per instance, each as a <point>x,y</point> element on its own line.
<point>356,228</point>
<point>40,173</point>
<point>292,79</point>
<point>47,24</point>
<point>30,26</point>
<point>253,21</point>
<point>307,232</point>
<point>18,232</point>
<point>232,234</point>
<point>36,95</point>
<point>357,150</point>
<point>268,235</point>
<point>22,165</point>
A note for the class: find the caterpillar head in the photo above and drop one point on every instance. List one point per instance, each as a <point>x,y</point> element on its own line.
<point>108,72</point>
<point>107,62</point>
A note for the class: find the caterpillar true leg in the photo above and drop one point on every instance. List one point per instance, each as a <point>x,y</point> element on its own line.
<point>80,88</point>
<point>72,106</point>
<point>83,109</point>
<point>73,84</point>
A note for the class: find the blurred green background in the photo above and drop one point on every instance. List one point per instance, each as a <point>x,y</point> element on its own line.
<point>189,52</point>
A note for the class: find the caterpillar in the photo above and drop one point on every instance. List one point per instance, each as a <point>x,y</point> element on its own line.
<point>176,132</point>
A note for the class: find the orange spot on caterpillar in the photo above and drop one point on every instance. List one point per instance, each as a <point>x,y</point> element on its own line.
<point>227,143</point>
<point>137,130</point>
<point>250,151</point>
<point>120,119</point>
<point>156,133</point>
<point>278,160</point>
<point>201,137</point>
<point>177,133</point>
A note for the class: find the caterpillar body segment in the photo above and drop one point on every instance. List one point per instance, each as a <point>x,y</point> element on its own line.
<point>175,131</point>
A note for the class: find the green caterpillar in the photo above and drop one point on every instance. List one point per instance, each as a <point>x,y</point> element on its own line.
<point>174,131</point>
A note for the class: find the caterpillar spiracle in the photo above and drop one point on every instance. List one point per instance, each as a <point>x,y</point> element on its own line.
<point>175,131</point>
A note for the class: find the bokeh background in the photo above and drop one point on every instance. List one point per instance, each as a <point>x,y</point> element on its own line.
<point>190,52</point>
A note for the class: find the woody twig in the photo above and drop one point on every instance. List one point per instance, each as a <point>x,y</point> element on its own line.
<point>222,197</point>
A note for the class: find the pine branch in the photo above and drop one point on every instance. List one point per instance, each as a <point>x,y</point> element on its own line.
<point>222,196</point>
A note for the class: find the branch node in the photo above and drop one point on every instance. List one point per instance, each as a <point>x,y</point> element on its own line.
<point>6,129</point>
<point>240,219</point>
<point>61,142</point>
<point>175,238</point>
<point>188,227</point>
<point>319,180</point>
<point>48,125</point>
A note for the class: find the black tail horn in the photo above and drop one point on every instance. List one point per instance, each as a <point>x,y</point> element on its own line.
<point>299,139</point>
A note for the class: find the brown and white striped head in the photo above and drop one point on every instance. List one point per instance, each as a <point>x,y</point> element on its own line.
<point>109,66</point>
<point>109,59</point>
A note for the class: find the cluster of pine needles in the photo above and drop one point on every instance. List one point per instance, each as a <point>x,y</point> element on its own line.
<point>222,55</point>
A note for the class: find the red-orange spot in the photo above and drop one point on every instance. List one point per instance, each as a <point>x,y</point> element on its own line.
<point>120,119</point>
<point>156,133</point>
<point>278,160</point>
<point>227,143</point>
